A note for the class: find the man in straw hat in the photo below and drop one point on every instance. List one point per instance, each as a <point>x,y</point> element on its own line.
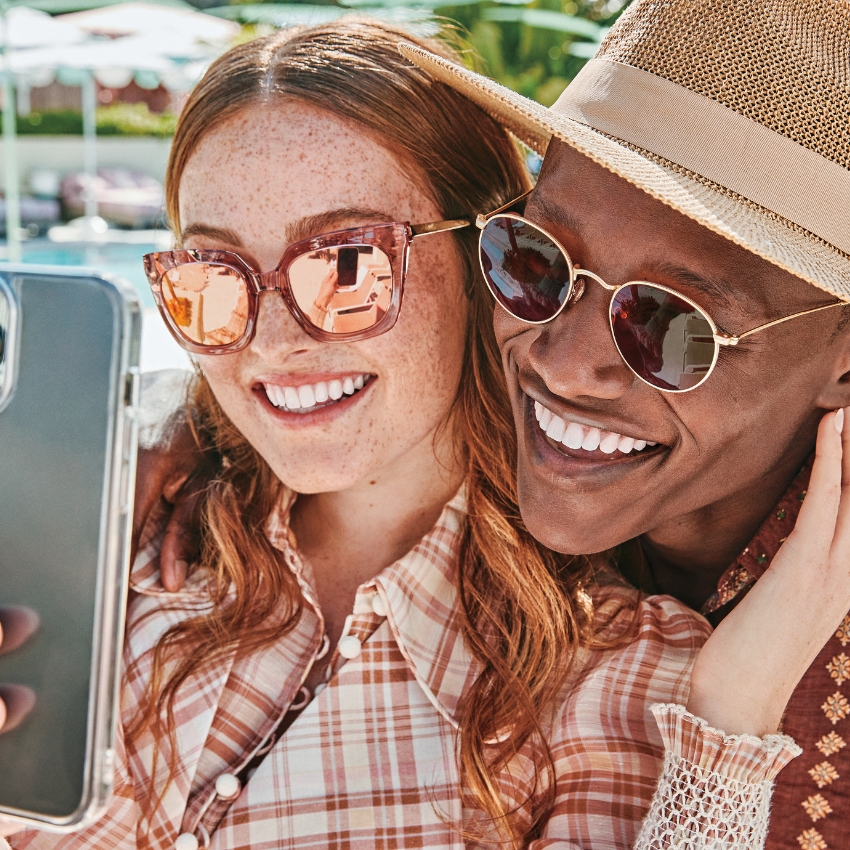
<point>671,342</point>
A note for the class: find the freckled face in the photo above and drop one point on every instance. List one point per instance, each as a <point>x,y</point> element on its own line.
<point>756,413</point>
<point>257,178</point>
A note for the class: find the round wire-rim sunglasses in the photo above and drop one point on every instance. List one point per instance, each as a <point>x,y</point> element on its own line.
<point>667,340</point>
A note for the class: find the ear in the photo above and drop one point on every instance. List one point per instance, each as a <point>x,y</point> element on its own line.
<point>836,391</point>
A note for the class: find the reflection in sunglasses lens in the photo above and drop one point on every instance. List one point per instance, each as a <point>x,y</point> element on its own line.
<point>524,269</point>
<point>666,341</point>
<point>207,302</point>
<point>344,289</point>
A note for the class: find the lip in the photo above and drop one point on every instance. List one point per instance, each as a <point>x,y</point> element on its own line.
<point>546,455</point>
<point>300,379</point>
<point>322,415</point>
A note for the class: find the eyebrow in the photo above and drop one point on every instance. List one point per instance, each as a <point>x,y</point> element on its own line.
<point>220,234</point>
<point>303,228</point>
<point>718,290</point>
<point>554,213</point>
<point>314,225</point>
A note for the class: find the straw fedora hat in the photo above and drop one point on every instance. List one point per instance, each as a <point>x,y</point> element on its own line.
<point>736,113</point>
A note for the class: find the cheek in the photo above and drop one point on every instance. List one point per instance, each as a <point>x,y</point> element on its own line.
<point>222,374</point>
<point>426,349</point>
<point>506,326</point>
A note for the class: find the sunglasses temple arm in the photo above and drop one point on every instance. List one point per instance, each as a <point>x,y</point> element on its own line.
<point>481,220</point>
<point>725,339</point>
<point>438,227</point>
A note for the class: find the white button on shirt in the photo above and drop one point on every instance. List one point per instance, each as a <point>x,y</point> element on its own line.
<point>186,841</point>
<point>227,786</point>
<point>349,647</point>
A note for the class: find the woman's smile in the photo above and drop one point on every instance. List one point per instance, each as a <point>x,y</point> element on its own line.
<point>311,399</point>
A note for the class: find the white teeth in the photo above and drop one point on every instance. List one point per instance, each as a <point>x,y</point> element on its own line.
<point>306,396</point>
<point>293,402</point>
<point>626,444</point>
<point>556,429</point>
<point>575,436</point>
<point>302,399</point>
<point>591,440</point>
<point>275,395</point>
<point>609,442</point>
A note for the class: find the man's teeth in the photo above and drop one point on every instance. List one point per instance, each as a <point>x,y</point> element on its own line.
<point>575,436</point>
<point>303,399</point>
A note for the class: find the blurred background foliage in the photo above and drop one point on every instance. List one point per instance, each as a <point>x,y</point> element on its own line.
<point>535,47</point>
<point>119,119</point>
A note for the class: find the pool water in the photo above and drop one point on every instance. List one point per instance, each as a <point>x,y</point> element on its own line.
<point>118,258</point>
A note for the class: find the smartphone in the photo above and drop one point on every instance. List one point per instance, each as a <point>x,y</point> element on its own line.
<point>69,382</point>
<point>346,268</point>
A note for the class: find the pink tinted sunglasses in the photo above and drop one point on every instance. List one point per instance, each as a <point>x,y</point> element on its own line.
<point>340,287</point>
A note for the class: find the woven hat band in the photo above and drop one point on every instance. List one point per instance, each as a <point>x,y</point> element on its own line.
<point>715,142</point>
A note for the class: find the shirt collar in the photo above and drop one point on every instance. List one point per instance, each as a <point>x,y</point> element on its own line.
<point>752,563</point>
<point>421,591</point>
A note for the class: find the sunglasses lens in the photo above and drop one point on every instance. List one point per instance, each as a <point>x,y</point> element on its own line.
<point>666,340</point>
<point>344,289</point>
<point>207,303</point>
<point>525,270</point>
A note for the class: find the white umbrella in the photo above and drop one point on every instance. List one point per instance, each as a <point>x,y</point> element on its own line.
<point>136,18</point>
<point>172,45</point>
<point>132,53</point>
<point>32,28</point>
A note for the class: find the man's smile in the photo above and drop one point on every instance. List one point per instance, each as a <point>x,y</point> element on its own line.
<point>575,436</point>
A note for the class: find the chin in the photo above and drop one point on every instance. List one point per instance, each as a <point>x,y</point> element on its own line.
<point>315,479</point>
<point>566,528</point>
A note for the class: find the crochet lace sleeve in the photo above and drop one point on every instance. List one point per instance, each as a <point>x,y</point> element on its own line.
<point>715,789</point>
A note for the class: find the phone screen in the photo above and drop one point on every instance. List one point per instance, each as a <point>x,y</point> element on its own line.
<point>346,267</point>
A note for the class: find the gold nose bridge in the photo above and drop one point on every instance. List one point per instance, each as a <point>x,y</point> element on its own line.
<point>579,286</point>
<point>580,273</point>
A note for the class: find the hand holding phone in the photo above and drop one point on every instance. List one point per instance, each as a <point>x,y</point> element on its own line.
<point>17,623</point>
<point>68,387</point>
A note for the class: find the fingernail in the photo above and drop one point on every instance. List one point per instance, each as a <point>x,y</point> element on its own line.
<point>839,420</point>
<point>19,701</point>
<point>18,623</point>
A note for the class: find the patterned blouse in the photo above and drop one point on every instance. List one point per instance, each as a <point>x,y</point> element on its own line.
<point>370,759</point>
<point>811,800</point>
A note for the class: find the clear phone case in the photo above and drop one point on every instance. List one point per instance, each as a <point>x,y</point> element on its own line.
<point>69,354</point>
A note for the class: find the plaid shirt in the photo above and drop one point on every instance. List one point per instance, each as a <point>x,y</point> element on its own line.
<point>371,761</point>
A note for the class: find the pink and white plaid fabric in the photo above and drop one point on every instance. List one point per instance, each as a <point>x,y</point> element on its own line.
<point>370,762</point>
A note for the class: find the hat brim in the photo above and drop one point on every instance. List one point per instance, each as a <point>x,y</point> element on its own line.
<point>743,222</point>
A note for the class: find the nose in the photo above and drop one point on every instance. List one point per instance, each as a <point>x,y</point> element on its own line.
<point>575,354</point>
<point>277,334</point>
